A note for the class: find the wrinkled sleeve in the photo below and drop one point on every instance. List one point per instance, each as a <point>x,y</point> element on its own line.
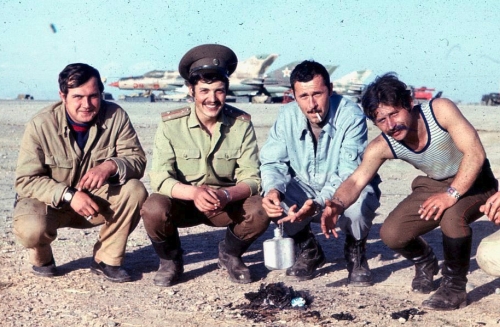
<point>163,175</point>
<point>130,157</point>
<point>32,173</point>
<point>353,145</point>
<point>274,160</point>
<point>247,170</point>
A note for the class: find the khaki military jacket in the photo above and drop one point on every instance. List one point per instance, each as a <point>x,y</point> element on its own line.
<point>50,160</point>
<point>184,153</point>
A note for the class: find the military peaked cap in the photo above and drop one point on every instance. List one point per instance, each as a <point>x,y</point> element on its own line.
<point>208,58</point>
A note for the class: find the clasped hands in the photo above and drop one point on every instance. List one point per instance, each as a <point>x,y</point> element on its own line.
<point>82,201</point>
<point>210,200</point>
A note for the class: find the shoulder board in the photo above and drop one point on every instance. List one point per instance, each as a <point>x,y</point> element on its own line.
<point>177,113</point>
<point>236,113</point>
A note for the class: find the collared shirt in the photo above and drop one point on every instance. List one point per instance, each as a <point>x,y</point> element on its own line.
<point>184,152</point>
<point>289,150</point>
<point>50,159</point>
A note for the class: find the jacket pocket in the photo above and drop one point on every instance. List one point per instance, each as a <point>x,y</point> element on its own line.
<point>225,162</point>
<point>189,163</point>
<point>60,168</point>
<point>100,155</point>
<point>349,153</point>
<point>59,162</point>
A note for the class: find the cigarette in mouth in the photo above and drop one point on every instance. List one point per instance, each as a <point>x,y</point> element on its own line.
<point>319,117</point>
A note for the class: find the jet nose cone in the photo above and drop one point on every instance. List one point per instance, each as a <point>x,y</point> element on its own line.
<point>115,84</point>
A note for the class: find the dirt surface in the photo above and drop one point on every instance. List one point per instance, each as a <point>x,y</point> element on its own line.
<point>204,296</point>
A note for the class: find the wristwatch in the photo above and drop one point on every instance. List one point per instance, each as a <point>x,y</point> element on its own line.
<point>453,193</point>
<point>69,194</point>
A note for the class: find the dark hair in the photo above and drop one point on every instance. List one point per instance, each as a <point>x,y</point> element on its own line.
<point>208,77</point>
<point>305,72</point>
<point>385,90</point>
<point>75,75</point>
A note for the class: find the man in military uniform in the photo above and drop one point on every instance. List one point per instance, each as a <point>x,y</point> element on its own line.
<point>205,170</point>
<point>79,166</point>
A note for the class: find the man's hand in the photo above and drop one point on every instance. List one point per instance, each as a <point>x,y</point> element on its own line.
<point>330,217</point>
<point>307,210</point>
<point>221,196</point>
<point>83,205</point>
<point>271,203</point>
<point>97,176</point>
<point>435,205</point>
<point>206,199</point>
<point>491,208</point>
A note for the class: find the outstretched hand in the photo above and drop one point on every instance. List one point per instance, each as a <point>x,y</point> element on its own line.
<point>330,217</point>
<point>293,215</point>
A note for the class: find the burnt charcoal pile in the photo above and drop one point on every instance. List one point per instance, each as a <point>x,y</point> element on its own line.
<point>272,298</point>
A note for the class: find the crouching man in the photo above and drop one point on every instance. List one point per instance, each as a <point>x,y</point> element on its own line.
<point>205,170</point>
<point>79,166</point>
<point>315,144</point>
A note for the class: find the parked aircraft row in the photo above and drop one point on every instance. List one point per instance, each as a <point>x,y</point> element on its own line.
<point>249,81</point>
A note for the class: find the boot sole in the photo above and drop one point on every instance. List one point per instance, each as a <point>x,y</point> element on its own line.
<point>163,284</point>
<point>430,307</point>
<point>360,284</point>
<point>235,280</point>
<point>114,280</point>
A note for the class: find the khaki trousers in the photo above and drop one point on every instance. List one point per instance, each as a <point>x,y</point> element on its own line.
<point>36,224</point>
<point>488,254</point>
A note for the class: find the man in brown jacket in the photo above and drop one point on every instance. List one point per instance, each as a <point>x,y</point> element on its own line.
<point>79,166</point>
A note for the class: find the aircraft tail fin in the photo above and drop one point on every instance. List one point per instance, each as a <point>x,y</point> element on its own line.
<point>255,66</point>
<point>355,77</point>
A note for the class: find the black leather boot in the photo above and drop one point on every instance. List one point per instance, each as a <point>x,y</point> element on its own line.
<point>357,265</point>
<point>451,294</point>
<point>230,251</point>
<point>309,255</point>
<point>171,262</point>
<point>426,264</point>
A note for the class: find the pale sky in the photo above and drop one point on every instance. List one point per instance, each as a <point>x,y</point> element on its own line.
<point>453,46</point>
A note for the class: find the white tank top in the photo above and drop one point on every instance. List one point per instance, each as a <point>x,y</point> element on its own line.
<point>440,158</point>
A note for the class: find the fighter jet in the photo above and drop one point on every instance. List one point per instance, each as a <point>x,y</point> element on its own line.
<point>247,80</point>
<point>351,84</point>
<point>161,80</point>
<point>277,82</point>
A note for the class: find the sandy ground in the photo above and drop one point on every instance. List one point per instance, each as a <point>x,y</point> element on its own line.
<point>204,296</point>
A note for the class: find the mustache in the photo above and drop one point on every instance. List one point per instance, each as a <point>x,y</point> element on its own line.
<point>397,128</point>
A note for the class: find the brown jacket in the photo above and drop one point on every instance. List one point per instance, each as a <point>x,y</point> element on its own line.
<point>50,160</point>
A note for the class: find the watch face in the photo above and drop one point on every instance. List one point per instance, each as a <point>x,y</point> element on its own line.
<point>68,196</point>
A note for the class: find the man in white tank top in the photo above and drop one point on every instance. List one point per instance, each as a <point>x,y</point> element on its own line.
<point>437,139</point>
